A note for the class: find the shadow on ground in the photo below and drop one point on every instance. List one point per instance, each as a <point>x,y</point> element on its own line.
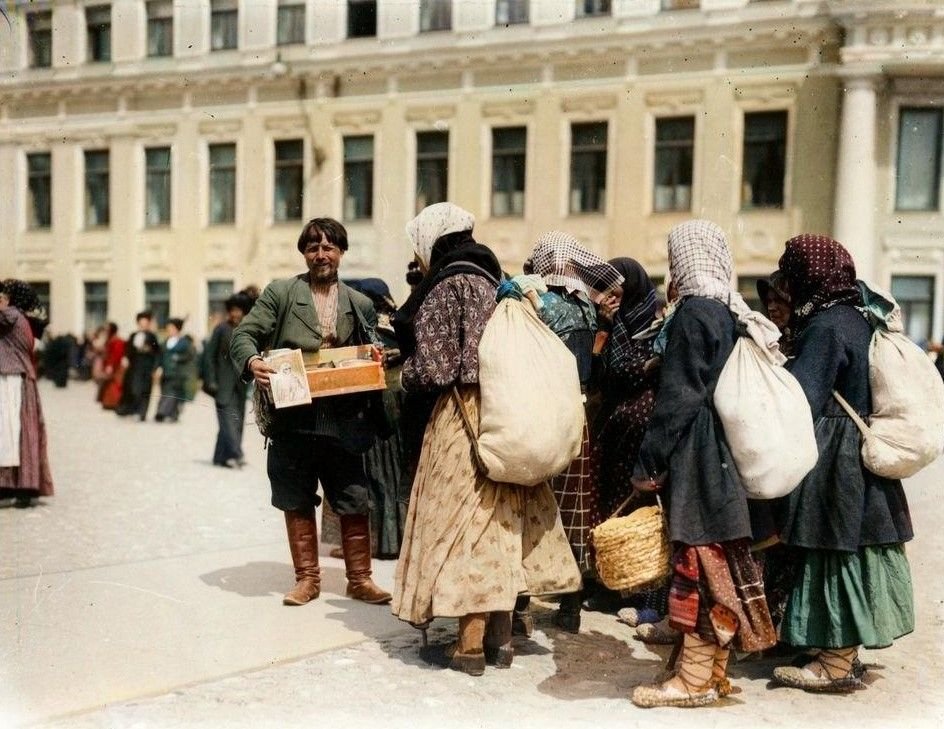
<point>262,579</point>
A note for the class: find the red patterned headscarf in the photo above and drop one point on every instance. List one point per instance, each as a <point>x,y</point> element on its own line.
<point>820,274</point>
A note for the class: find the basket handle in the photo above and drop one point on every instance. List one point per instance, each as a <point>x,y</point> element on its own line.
<point>632,496</point>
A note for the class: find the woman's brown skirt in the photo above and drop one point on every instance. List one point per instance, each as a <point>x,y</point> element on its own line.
<point>471,545</point>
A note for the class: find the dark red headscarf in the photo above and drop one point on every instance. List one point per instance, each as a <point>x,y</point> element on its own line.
<point>820,274</point>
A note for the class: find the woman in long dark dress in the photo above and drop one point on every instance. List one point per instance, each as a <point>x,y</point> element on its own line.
<point>716,595</point>
<point>849,525</point>
<point>24,466</point>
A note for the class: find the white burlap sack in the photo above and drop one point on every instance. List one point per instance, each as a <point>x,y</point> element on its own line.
<point>532,413</point>
<point>767,422</point>
<point>905,432</point>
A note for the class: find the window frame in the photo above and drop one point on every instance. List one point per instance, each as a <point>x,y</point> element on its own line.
<point>220,169</point>
<point>43,19</point>
<point>438,158</point>
<point>95,50</point>
<point>281,168</point>
<point>508,153</point>
<point>158,306</point>
<point>104,178</point>
<point>671,144</point>
<point>936,204</point>
<point>352,17</point>
<point>31,176</point>
<point>745,205</point>
<point>151,171</point>
<point>592,8</point>
<point>97,297</point>
<point>224,10</point>
<point>907,304</point>
<point>357,163</point>
<point>436,16</point>
<point>156,14</point>
<point>594,149</point>
<point>297,36</point>
<point>513,13</point>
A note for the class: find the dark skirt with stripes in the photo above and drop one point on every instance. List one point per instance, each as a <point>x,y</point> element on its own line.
<point>577,501</point>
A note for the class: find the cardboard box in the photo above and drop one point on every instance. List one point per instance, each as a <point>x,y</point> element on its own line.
<point>344,370</point>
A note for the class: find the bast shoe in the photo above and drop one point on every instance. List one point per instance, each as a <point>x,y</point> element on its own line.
<point>839,671</point>
<point>650,697</point>
<point>657,633</point>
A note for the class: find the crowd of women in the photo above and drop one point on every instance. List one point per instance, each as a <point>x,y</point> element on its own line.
<point>830,554</point>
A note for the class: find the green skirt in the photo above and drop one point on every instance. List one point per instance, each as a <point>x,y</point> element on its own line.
<point>845,599</point>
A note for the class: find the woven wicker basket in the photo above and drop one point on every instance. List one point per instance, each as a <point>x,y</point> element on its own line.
<point>632,552</point>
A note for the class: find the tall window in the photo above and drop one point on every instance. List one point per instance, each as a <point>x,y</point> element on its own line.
<point>224,24</point>
<point>915,295</point>
<point>160,28</point>
<point>96,304</point>
<point>39,28</point>
<point>765,153</point>
<point>96,188</point>
<point>435,15</point>
<point>588,8</point>
<point>675,147</point>
<point>98,32</point>
<point>39,172</point>
<point>361,18</point>
<point>42,293</point>
<point>289,174</point>
<point>588,167</point>
<point>217,294</point>
<point>358,178</point>
<point>511,12</point>
<point>222,183</point>
<point>157,186</point>
<point>157,301</point>
<point>919,160</point>
<point>291,23</point>
<point>432,168</point>
<point>508,163</point>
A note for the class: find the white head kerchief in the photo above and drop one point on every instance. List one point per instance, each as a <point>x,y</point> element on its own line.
<point>700,265</point>
<point>432,223</point>
<point>563,261</point>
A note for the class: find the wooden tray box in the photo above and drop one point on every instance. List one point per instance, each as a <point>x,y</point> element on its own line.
<point>327,374</point>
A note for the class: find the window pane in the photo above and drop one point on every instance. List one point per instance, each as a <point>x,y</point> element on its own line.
<point>157,300</point>
<point>586,8</point>
<point>224,25</point>
<point>508,170</point>
<point>674,154</point>
<point>96,304</point>
<point>160,28</point>
<point>432,168</point>
<point>435,15</point>
<point>42,293</point>
<point>222,183</point>
<point>96,188</point>
<point>289,173</point>
<point>765,146</point>
<point>217,294</point>
<point>157,186</point>
<point>39,172</point>
<point>588,167</point>
<point>915,295</point>
<point>291,24</point>
<point>919,160</point>
<point>40,39</point>
<point>98,26</point>
<point>361,18</point>
<point>358,177</point>
<point>510,12</point>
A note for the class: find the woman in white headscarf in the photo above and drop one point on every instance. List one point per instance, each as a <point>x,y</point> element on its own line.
<point>470,545</point>
<point>716,596</point>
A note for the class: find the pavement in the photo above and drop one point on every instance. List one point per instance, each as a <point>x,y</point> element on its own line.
<point>147,593</point>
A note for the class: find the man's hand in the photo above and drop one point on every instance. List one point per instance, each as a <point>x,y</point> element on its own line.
<point>261,372</point>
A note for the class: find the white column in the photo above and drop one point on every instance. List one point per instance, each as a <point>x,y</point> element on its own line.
<point>854,224</point>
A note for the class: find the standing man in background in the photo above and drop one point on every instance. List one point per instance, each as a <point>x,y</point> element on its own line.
<point>226,387</point>
<point>142,353</point>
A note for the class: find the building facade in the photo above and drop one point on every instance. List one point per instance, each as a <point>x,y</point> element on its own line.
<point>161,154</point>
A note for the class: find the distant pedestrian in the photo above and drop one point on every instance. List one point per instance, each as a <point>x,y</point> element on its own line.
<point>177,357</point>
<point>24,466</point>
<point>112,373</point>
<point>142,353</point>
<point>222,382</point>
<point>56,358</point>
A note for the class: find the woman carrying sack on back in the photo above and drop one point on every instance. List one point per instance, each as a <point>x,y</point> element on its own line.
<point>716,596</point>
<point>849,525</point>
<point>577,281</point>
<point>470,545</point>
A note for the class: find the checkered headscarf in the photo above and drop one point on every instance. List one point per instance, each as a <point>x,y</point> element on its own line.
<point>562,261</point>
<point>700,265</point>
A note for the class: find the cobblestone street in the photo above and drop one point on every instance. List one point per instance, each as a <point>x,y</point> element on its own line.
<point>147,593</point>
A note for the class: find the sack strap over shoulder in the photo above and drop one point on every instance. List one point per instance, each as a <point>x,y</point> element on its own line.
<point>856,418</point>
<point>470,431</point>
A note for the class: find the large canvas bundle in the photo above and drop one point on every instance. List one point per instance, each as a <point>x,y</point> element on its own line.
<point>767,422</point>
<point>532,412</point>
